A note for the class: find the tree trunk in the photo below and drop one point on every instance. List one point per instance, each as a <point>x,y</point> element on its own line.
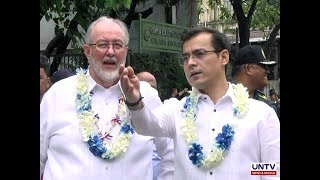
<point>62,47</point>
<point>168,12</point>
<point>244,33</point>
<point>269,43</point>
<point>132,15</point>
<point>244,21</point>
<point>53,44</point>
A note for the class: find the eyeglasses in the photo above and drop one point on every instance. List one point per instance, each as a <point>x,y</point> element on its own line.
<point>105,45</point>
<point>196,54</point>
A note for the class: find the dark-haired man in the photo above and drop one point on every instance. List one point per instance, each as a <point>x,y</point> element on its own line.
<point>218,131</point>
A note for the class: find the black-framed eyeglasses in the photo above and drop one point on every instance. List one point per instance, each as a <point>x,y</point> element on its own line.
<point>105,45</point>
<point>197,54</point>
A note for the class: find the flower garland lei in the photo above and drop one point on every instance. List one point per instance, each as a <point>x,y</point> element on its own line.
<point>223,140</point>
<point>98,145</point>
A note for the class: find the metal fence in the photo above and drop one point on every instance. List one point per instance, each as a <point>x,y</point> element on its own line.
<point>69,61</point>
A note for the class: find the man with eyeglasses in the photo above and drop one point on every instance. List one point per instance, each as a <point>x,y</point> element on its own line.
<point>218,131</point>
<point>251,68</point>
<point>85,128</point>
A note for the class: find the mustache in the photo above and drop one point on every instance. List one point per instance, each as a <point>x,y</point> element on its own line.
<point>109,60</point>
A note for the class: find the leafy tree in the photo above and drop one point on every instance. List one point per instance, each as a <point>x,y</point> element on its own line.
<point>69,15</point>
<point>243,18</point>
<point>253,13</point>
<point>263,14</point>
<point>267,16</point>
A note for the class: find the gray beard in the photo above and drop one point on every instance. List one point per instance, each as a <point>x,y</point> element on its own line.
<point>108,76</point>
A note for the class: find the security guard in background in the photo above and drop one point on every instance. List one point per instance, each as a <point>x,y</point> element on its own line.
<point>259,95</point>
<point>250,68</point>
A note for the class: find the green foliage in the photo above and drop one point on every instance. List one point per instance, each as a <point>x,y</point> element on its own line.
<point>83,12</point>
<point>167,70</point>
<point>127,3</point>
<point>266,15</point>
<point>213,3</point>
<point>225,15</point>
<point>201,9</point>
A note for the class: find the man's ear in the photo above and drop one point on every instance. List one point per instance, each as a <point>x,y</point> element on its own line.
<point>248,69</point>
<point>224,57</point>
<point>49,82</point>
<point>86,50</point>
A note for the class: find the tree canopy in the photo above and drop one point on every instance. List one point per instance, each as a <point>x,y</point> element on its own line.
<point>251,14</point>
<point>70,16</point>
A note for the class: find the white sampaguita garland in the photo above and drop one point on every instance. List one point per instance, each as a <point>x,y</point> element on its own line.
<point>223,140</point>
<point>92,133</point>
<point>100,146</point>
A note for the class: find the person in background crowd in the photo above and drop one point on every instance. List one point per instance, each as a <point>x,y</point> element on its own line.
<point>275,101</point>
<point>183,93</point>
<point>218,131</point>
<point>179,94</point>
<point>149,78</point>
<point>61,74</point>
<point>44,75</point>
<point>85,128</point>
<point>274,96</point>
<point>174,93</point>
<point>251,69</point>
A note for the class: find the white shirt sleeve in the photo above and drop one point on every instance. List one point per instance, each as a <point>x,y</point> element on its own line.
<point>164,146</point>
<point>165,150</point>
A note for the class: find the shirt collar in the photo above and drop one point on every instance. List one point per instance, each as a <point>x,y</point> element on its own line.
<point>229,93</point>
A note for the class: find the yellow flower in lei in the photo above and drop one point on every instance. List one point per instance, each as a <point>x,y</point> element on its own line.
<point>90,131</point>
<point>222,140</point>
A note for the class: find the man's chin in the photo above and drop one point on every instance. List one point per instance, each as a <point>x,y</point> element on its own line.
<point>110,77</point>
